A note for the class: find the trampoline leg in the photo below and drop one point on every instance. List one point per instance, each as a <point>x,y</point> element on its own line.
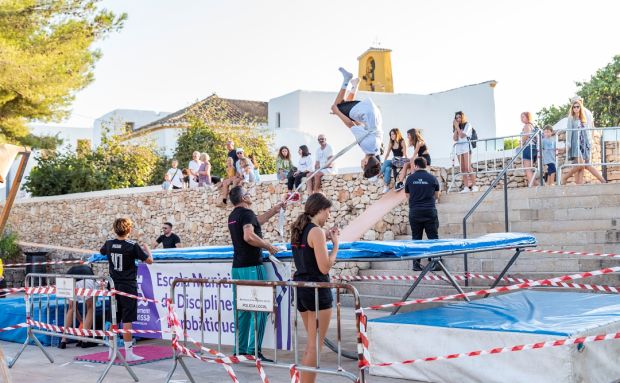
<point>414,285</point>
<point>508,266</point>
<point>450,277</point>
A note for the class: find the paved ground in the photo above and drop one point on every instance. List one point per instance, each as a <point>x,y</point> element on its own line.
<point>33,367</point>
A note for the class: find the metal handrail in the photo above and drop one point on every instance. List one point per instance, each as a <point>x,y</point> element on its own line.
<point>503,174</point>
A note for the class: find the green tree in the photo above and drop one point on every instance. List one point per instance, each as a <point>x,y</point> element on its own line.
<point>209,131</point>
<point>601,95</point>
<point>46,56</point>
<point>113,165</point>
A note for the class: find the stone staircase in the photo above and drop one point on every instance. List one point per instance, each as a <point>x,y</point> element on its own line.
<point>579,218</point>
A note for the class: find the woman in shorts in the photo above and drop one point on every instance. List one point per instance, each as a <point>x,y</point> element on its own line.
<point>313,262</point>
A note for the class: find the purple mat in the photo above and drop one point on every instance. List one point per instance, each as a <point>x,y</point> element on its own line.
<point>149,353</point>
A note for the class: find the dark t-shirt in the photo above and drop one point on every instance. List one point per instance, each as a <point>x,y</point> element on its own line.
<point>169,242</point>
<point>233,154</point>
<point>245,255</point>
<point>421,187</point>
<point>122,255</point>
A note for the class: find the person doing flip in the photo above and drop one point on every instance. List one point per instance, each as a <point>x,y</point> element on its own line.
<point>364,120</point>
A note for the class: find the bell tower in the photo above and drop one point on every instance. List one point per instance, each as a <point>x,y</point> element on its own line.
<point>375,70</point>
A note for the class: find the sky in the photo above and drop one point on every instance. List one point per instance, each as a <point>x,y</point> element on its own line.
<point>172,53</point>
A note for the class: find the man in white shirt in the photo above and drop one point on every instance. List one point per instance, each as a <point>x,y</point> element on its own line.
<point>174,176</point>
<point>194,166</point>
<point>324,154</point>
<point>365,121</point>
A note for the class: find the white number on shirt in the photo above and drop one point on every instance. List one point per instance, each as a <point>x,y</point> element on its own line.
<point>117,261</point>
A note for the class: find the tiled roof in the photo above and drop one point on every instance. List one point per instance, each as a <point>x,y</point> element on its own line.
<point>216,109</point>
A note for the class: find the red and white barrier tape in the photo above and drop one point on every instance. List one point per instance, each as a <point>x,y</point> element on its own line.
<point>457,277</point>
<point>499,350</point>
<point>606,255</point>
<point>542,282</point>
<point>12,290</point>
<point>12,265</point>
<point>295,376</point>
<point>88,332</point>
<point>14,327</point>
<point>175,327</point>
<point>261,372</point>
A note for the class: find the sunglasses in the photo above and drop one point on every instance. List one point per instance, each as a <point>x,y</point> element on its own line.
<point>576,107</point>
<point>164,228</point>
<point>321,139</point>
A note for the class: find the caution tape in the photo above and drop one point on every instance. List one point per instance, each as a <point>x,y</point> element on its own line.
<point>13,327</point>
<point>12,290</point>
<point>499,350</point>
<point>88,332</point>
<point>542,282</point>
<point>295,376</point>
<point>13,265</point>
<point>604,288</point>
<point>605,255</point>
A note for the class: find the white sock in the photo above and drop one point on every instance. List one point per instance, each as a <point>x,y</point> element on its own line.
<point>354,84</point>
<point>346,77</point>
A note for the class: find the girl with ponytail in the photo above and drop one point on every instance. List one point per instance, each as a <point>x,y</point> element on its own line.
<point>313,262</point>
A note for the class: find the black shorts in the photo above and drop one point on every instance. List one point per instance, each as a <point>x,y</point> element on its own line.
<point>346,106</point>
<point>306,299</point>
<point>126,308</point>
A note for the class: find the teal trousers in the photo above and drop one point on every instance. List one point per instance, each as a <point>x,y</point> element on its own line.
<point>247,319</point>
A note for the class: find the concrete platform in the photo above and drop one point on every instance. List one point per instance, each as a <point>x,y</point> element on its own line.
<point>33,367</point>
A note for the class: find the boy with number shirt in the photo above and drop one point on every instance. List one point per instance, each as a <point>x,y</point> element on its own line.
<point>122,254</point>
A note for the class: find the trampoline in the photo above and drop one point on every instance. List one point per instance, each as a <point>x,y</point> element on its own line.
<point>513,319</point>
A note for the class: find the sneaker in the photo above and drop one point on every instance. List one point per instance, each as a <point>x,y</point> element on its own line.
<point>474,188</point>
<point>386,189</point>
<point>262,358</point>
<point>417,266</point>
<point>465,190</point>
<point>399,186</point>
<point>131,357</point>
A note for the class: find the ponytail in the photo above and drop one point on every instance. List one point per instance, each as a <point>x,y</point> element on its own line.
<point>298,227</point>
<point>315,203</point>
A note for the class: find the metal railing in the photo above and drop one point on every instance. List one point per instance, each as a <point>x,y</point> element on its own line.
<point>609,154</point>
<point>503,174</point>
<point>40,320</point>
<point>494,155</point>
<point>337,370</point>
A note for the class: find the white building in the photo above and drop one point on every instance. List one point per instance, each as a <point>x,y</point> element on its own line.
<point>298,117</point>
<point>164,132</point>
<point>123,121</point>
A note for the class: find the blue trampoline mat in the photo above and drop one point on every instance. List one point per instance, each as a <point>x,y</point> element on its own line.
<point>535,312</point>
<point>361,249</point>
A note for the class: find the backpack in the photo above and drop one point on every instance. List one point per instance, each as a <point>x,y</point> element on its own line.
<point>474,137</point>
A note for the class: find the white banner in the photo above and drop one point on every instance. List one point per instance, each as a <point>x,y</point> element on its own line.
<point>199,311</point>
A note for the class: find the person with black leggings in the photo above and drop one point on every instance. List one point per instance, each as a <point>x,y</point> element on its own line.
<point>313,262</point>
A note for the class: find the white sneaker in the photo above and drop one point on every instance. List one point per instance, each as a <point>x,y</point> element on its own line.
<point>131,357</point>
<point>386,189</point>
<point>474,188</point>
<point>465,190</point>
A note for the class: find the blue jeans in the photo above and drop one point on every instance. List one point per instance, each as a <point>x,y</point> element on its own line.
<point>386,169</point>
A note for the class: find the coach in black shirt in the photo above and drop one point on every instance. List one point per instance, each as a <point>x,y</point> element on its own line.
<point>422,189</point>
<point>169,239</point>
<point>248,242</point>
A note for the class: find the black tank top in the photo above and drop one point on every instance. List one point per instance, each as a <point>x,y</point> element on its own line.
<point>422,150</point>
<point>305,260</point>
<point>398,152</point>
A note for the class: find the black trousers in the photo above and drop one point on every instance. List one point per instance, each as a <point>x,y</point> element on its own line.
<point>295,180</point>
<point>421,221</point>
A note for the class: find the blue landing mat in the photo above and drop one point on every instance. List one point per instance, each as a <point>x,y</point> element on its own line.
<point>536,312</point>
